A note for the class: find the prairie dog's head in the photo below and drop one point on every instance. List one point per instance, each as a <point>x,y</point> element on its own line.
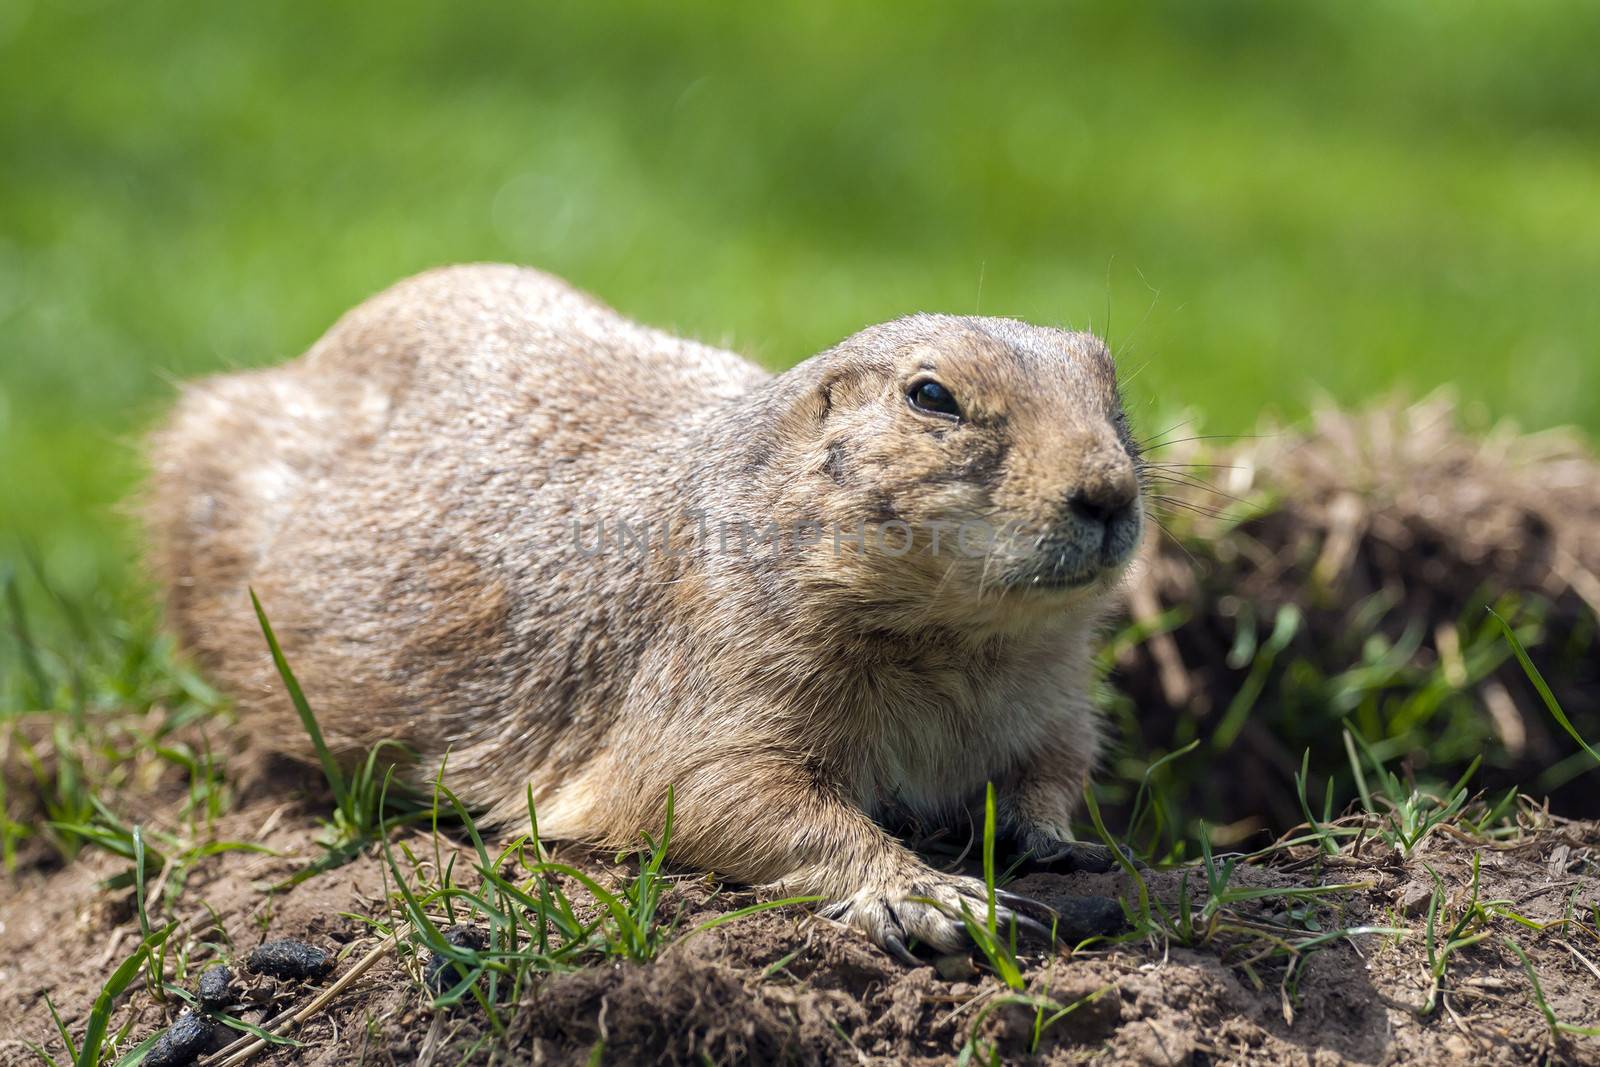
<point>989,461</point>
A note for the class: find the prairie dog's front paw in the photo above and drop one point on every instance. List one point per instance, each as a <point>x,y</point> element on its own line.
<point>927,910</point>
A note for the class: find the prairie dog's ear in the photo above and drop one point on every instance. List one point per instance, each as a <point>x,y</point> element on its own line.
<point>794,410</point>
<point>844,387</point>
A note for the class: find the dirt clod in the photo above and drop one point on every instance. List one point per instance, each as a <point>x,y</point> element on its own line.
<point>1161,1045</point>
<point>288,958</point>
<point>956,967</point>
<point>1096,1015</point>
<point>1084,917</point>
<point>1414,899</point>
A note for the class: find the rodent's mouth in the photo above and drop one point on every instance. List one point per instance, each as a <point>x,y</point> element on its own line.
<point>1066,564</point>
<point>1056,579</point>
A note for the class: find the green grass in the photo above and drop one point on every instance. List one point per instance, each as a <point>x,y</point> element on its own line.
<point>171,855</point>
<point>1389,809</point>
<point>1464,933</point>
<point>1551,704</point>
<point>1207,918</point>
<point>538,916</point>
<point>1251,200</point>
<point>1412,813</point>
<point>533,923</point>
<point>91,696</point>
<point>1474,924</point>
<point>1352,704</point>
<point>996,945</point>
<point>1046,1010</point>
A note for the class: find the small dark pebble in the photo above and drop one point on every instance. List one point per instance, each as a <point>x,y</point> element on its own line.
<point>287,958</point>
<point>191,1036</point>
<point>441,976</point>
<point>216,985</point>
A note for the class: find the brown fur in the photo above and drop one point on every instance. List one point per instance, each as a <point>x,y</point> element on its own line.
<point>402,499</point>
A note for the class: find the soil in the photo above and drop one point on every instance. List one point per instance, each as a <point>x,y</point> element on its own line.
<point>787,986</point>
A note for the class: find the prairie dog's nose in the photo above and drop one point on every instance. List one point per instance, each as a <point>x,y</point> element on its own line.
<point>1105,497</point>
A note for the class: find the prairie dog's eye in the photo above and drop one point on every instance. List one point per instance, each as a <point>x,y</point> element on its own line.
<point>931,398</point>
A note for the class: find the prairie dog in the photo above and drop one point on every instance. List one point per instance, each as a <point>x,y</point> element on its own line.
<point>491,518</point>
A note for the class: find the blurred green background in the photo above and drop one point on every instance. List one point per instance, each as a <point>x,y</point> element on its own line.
<point>1255,201</point>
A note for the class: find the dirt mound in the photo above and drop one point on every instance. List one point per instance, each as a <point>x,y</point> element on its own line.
<point>1342,570</point>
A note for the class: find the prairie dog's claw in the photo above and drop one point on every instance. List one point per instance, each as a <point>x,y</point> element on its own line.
<point>837,910</point>
<point>897,948</point>
<point>1018,903</point>
<point>1025,922</point>
<point>1082,856</point>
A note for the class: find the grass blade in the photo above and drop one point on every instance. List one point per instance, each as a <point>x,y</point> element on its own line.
<point>308,719</point>
<point>1538,681</point>
<point>988,858</point>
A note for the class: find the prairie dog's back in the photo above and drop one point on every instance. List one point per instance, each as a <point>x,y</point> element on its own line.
<point>496,394</point>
